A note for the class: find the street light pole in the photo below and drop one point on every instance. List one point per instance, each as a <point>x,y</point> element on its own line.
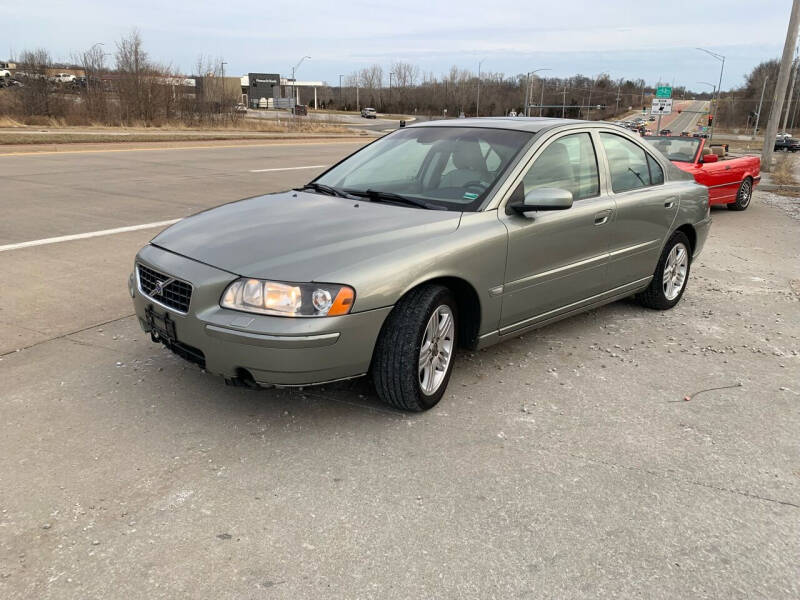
<point>390,86</point>
<point>294,68</point>
<point>478,101</point>
<point>720,58</point>
<point>713,93</point>
<point>528,90</point>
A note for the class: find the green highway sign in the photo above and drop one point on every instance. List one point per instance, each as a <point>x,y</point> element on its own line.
<point>664,92</point>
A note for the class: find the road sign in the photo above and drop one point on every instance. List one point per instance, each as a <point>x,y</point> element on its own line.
<point>664,92</point>
<point>661,106</point>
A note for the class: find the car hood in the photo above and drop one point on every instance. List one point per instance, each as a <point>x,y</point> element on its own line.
<point>299,236</point>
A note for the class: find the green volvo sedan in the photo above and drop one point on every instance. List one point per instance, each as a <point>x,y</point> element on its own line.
<point>439,236</point>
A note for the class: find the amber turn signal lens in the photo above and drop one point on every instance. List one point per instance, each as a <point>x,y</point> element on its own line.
<point>343,302</point>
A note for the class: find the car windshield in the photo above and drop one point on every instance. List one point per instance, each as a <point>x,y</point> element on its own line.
<point>446,168</point>
<point>680,149</point>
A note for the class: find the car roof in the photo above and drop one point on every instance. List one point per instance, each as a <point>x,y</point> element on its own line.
<point>529,124</point>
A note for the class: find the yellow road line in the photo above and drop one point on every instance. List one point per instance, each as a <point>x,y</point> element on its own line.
<point>277,143</point>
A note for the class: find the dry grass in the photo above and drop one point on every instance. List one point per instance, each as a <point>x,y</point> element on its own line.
<point>784,171</point>
<point>59,133</point>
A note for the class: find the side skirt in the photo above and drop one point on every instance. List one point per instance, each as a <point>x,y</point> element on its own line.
<point>569,310</point>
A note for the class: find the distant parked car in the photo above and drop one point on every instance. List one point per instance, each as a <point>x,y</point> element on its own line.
<point>241,108</point>
<point>782,135</point>
<point>700,135</point>
<point>787,144</point>
<point>651,118</point>
<point>665,132</point>
<point>64,78</point>
<point>369,113</point>
<point>5,78</point>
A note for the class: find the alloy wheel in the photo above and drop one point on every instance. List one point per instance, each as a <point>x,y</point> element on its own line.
<point>745,193</point>
<point>675,271</point>
<point>436,349</point>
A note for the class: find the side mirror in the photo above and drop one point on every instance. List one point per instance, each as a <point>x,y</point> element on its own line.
<point>544,198</point>
<point>710,158</point>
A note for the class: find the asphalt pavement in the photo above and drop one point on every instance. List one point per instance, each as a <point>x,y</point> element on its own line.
<point>565,463</point>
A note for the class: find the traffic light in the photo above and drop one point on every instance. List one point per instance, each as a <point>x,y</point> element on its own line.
<point>710,120</point>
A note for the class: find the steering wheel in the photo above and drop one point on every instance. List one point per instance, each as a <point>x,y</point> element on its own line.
<point>476,184</point>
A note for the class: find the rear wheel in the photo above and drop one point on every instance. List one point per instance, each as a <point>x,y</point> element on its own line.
<point>413,358</point>
<point>743,196</point>
<point>672,273</point>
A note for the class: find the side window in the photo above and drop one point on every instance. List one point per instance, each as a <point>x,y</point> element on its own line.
<point>627,163</point>
<point>656,172</point>
<point>568,163</point>
<point>493,160</point>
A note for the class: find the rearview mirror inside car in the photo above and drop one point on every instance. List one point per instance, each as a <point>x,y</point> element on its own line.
<point>544,198</point>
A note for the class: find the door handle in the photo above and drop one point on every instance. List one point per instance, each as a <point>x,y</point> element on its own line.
<point>727,167</point>
<point>601,217</point>
<point>669,203</point>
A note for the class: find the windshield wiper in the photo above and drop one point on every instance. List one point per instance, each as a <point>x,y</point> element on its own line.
<point>378,196</point>
<point>324,189</point>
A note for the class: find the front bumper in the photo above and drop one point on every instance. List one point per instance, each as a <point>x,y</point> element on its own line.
<point>273,350</point>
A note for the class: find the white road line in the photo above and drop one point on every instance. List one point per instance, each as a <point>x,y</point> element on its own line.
<point>288,168</point>
<point>83,236</point>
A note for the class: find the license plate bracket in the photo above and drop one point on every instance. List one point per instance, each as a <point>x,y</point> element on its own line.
<point>162,326</point>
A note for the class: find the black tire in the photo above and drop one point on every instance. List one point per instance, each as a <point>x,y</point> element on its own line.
<point>743,195</point>
<point>654,296</point>
<point>395,362</point>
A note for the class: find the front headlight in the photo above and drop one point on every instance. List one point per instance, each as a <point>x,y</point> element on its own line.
<point>288,299</point>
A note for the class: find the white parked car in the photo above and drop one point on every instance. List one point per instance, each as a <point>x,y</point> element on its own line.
<point>64,78</point>
<point>369,113</point>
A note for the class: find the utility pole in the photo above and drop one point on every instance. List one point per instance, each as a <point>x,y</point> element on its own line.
<point>780,88</point>
<point>541,96</point>
<point>760,102</point>
<point>478,101</point>
<point>340,93</point>
<point>796,66</point>
<point>619,89</point>
<point>222,64</point>
<point>564,101</point>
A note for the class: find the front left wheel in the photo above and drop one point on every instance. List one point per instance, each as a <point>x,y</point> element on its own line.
<point>413,358</point>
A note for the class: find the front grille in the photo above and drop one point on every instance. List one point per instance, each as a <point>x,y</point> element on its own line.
<point>176,294</point>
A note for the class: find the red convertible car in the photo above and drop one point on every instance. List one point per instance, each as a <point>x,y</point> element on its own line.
<point>730,181</point>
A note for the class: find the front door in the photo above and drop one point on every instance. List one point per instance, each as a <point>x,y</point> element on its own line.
<point>557,258</point>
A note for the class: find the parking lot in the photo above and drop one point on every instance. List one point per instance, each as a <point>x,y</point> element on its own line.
<point>566,463</point>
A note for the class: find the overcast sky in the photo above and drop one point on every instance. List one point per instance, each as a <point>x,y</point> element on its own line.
<point>625,38</point>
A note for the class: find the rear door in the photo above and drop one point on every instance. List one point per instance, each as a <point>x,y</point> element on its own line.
<point>646,207</point>
<point>558,258</point>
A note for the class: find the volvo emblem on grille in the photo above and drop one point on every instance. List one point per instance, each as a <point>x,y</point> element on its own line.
<point>158,288</point>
